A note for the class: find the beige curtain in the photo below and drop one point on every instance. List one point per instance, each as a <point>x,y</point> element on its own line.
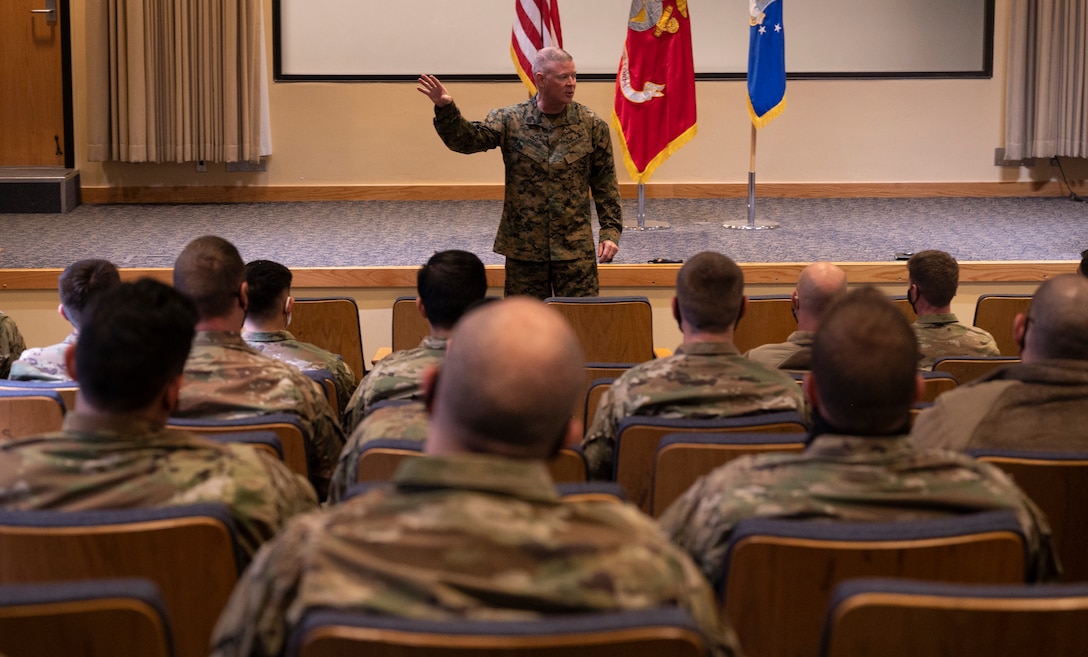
<point>177,81</point>
<point>1046,99</point>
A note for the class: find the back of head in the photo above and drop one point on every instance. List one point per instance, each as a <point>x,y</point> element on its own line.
<point>937,275</point>
<point>81,282</point>
<point>510,380</point>
<point>864,364</point>
<point>210,271</point>
<point>1058,319</point>
<point>709,292</point>
<point>548,56</point>
<point>448,284</point>
<point>266,281</point>
<point>1082,269</point>
<point>818,285</point>
<point>134,341</point>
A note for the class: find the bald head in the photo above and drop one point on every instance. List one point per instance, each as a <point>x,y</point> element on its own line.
<point>513,371</point>
<point>1057,325</point>
<point>818,285</point>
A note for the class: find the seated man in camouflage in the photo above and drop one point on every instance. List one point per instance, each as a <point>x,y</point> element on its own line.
<point>476,529</point>
<point>11,344</point>
<point>267,318</point>
<point>934,277</point>
<point>1040,403</point>
<point>859,464</point>
<point>447,285</point>
<point>78,284</point>
<point>114,452</point>
<point>225,378</point>
<point>818,285</point>
<point>706,377</point>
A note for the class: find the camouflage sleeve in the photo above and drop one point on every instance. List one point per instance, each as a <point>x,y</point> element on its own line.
<point>345,382</point>
<point>604,185</point>
<point>328,440</point>
<point>599,443</point>
<point>464,136</point>
<point>11,344</point>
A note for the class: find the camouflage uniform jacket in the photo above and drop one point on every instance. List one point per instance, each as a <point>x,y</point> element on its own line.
<point>131,462</point>
<point>1042,406</point>
<point>43,363</point>
<point>552,165</point>
<point>225,378</point>
<point>851,478</point>
<point>467,536</point>
<point>404,422</point>
<point>774,355</point>
<point>700,380</point>
<point>11,344</point>
<point>941,335</point>
<point>283,346</point>
<point>397,376</point>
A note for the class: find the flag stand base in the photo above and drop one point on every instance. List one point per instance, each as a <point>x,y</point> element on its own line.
<point>642,224</point>
<point>762,225</point>
<point>752,224</point>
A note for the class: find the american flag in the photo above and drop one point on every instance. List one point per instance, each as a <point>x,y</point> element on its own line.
<point>536,25</point>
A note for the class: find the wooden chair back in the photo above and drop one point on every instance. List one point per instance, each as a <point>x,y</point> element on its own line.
<point>409,326</point>
<point>29,412</point>
<point>995,313</point>
<point>66,389</point>
<point>683,458</point>
<point>611,329</point>
<point>636,633</point>
<point>768,319</point>
<point>327,381</point>
<point>1058,484</point>
<point>598,377</point>
<point>637,439</point>
<point>898,618</point>
<point>936,383</point>
<point>92,618</point>
<point>188,551</point>
<point>901,302</point>
<point>287,427</point>
<point>968,368</point>
<point>780,574</point>
<point>331,323</point>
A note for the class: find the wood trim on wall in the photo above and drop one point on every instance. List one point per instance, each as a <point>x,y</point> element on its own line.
<point>611,276</point>
<point>478,192</point>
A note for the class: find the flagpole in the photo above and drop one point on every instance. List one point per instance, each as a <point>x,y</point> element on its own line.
<point>642,223</point>
<point>752,225</point>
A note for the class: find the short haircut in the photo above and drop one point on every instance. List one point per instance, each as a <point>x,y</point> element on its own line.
<point>266,282</point>
<point>448,284</point>
<point>1059,318</point>
<point>134,341</point>
<point>551,55</point>
<point>936,274</point>
<point>864,364</point>
<point>709,292</point>
<point>81,282</point>
<point>210,271</point>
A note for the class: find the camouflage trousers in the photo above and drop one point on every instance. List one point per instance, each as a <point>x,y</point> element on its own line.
<point>555,278</point>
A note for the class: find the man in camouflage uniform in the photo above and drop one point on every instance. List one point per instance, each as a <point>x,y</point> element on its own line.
<point>489,536</point>
<point>114,452</point>
<point>447,286</point>
<point>1040,403</point>
<point>705,378</point>
<point>818,285</point>
<point>556,152</point>
<point>859,464</point>
<point>934,277</point>
<point>78,284</point>
<point>225,378</point>
<point>267,318</point>
<point>11,344</point>
<point>398,421</point>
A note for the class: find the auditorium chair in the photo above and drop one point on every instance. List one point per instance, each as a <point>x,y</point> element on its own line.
<point>327,381</point>
<point>934,384</point>
<point>66,389</point>
<point>994,313</point>
<point>25,412</point>
<point>968,368</point>
<point>331,323</point>
<point>611,329</point>
<point>286,426</point>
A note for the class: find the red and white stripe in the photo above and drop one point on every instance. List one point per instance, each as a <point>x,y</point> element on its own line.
<point>536,25</point>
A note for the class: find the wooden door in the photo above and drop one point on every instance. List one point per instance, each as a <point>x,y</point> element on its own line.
<point>32,98</point>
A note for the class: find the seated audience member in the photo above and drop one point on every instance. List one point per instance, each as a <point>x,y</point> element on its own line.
<point>859,464</point>
<point>226,378</point>
<point>114,451</point>
<point>706,377</point>
<point>1082,268</point>
<point>407,421</point>
<point>78,284</point>
<point>1040,403</point>
<point>267,318</point>
<point>934,277</point>
<point>818,285</point>
<point>11,344</point>
<point>476,529</point>
<point>447,285</point>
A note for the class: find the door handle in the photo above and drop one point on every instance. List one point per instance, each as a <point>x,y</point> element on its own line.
<point>50,11</point>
